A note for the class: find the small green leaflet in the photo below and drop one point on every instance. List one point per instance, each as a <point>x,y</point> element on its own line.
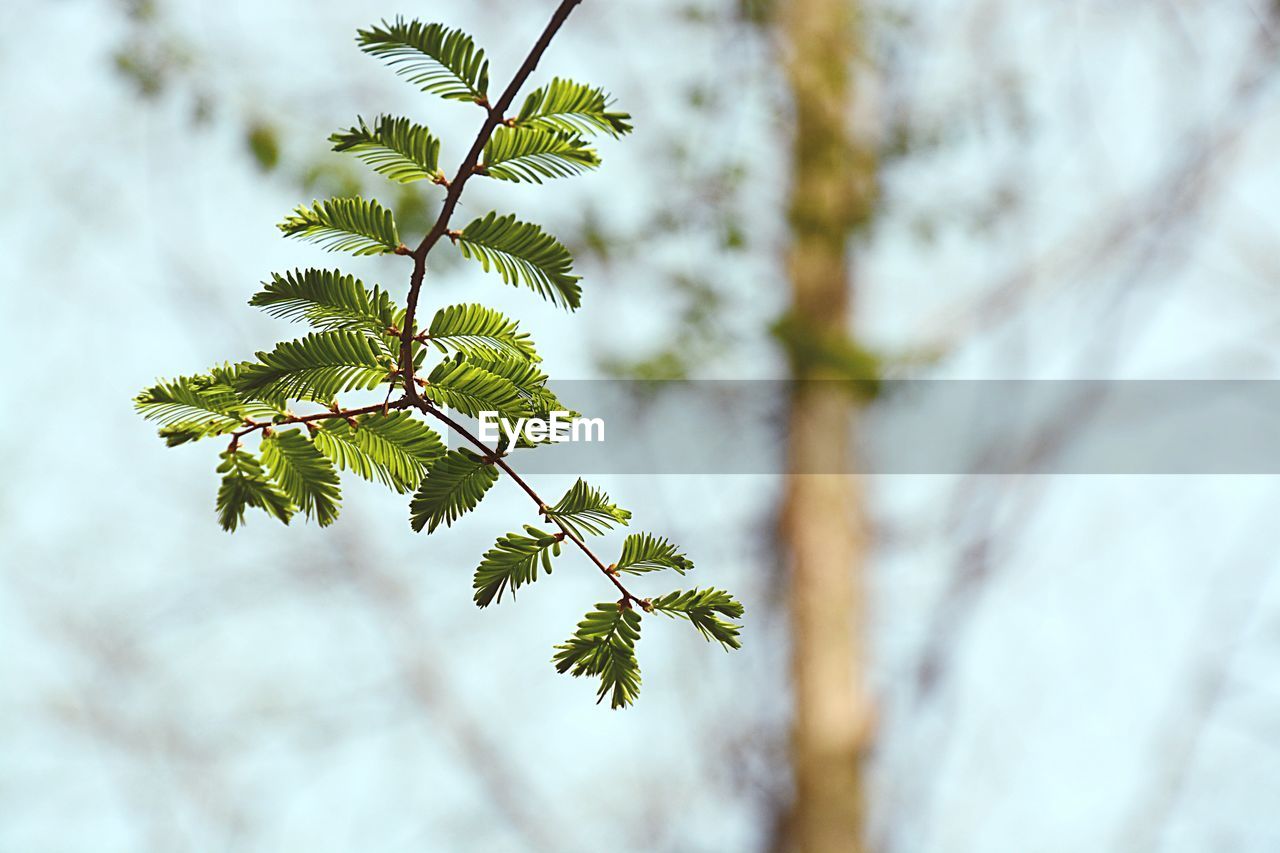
<point>317,367</point>
<point>345,225</point>
<point>644,552</point>
<point>522,253</point>
<point>433,57</point>
<point>572,108</point>
<point>514,561</point>
<point>703,609</point>
<point>455,485</point>
<point>395,449</point>
<point>395,148</point>
<point>458,384</point>
<point>329,300</point>
<point>303,473</point>
<point>477,330</point>
<point>585,509</point>
<point>605,646</point>
<point>530,154</point>
<point>244,484</point>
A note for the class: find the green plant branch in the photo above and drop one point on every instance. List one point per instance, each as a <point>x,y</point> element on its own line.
<point>494,118</point>
<point>490,363</point>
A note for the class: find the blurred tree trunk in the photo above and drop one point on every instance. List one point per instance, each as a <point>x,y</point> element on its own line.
<point>822,516</point>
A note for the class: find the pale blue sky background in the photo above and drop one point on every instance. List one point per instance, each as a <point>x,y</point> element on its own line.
<point>1108,678</point>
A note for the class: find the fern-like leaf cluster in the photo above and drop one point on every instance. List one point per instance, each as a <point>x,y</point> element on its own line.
<point>584,509</point>
<point>475,330</point>
<point>244,485</point>
<point>604,646</point>
<point>329,300</point>
<point>364,339</point>
<point>318,368</point>
<point>706,610</point>
<point>644,552</point>
<point>513,562</point>
<point>439,60</point>
<point>395,147</point>
<point>531,154</point>
<point>523,253</point>
<point>454,485</point>
<point>345,225</point>
<point>571,107</point>
<point>395,449</point>
<point>303,473</point>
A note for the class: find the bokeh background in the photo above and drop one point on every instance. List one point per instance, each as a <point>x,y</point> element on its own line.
<point>1079,189</point>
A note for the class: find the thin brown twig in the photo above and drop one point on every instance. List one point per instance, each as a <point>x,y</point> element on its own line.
<point>494,458</point>
<point>494,118</point>
<point>411,397</point>
<point>402,403</point>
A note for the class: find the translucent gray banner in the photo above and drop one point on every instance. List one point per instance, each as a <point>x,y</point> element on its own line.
<point>925,427</point>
